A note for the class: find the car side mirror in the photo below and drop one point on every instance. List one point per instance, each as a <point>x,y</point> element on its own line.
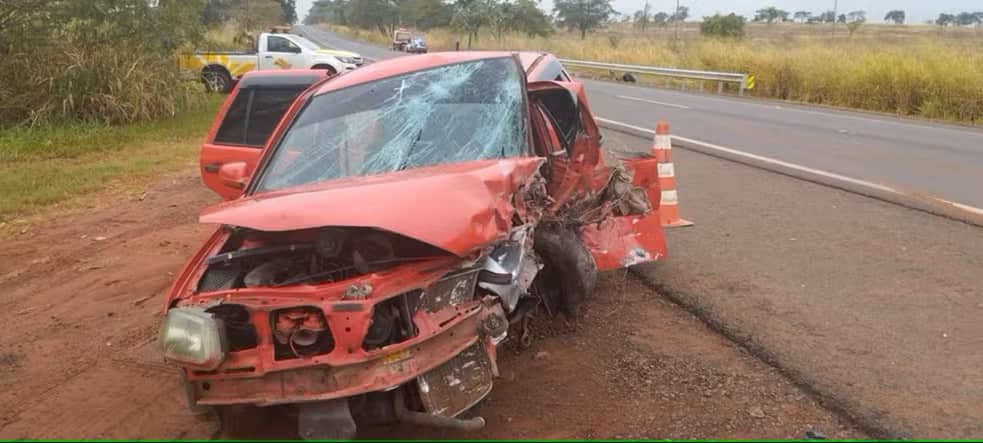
<point>234,175</point>
<point>294,49</point>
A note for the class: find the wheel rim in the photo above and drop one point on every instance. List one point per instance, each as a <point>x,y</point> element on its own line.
<point>214,81</point>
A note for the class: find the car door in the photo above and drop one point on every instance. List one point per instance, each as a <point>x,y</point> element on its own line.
<point>238,136</point>
<point>281,53</point>
<point>586,189</point>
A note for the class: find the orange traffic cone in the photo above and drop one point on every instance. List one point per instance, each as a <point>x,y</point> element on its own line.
<point>662,151</point>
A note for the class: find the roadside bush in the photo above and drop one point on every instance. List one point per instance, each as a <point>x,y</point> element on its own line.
<point>731,25</point>
<point>110,61</point>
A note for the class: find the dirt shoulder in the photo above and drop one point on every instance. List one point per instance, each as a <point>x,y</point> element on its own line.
<point>875,306</point>
<point>81,303</point>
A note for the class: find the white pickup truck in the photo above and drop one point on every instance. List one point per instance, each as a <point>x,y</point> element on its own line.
<point>221,69</point>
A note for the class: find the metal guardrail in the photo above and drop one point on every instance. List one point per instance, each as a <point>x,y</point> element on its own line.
<point>720,77</point>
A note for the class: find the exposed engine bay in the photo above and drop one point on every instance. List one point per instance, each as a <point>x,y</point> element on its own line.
<point>494,289</point>
<point>255,258</point>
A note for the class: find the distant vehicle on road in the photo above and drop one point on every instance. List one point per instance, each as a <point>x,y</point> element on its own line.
<point>221,69</point>
<point>401,38</point>
<point>417,46</point>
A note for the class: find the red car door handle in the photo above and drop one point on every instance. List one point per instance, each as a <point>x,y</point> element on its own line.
<point>212,167</point>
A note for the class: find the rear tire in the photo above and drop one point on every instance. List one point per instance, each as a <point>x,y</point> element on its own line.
<point>217,80</point>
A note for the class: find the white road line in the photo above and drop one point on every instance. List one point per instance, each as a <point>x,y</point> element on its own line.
<point>787,165</point>
<point>964,207</point>
<point>653,102</point>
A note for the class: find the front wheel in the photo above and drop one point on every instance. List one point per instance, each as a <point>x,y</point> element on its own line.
<point>569,273</point>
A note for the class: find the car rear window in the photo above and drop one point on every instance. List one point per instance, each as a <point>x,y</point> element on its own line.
<point>254,114</point>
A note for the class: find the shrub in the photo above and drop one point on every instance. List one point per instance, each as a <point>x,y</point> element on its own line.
<point>731,25</point>
<point>109,61</point>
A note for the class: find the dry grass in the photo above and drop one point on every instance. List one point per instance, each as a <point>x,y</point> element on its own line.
<point>911,70</point>
<point>229,35</point>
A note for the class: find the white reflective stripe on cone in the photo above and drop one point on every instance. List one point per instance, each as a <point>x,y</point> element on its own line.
<point>663,141</point>
<point>666,170</point>
<point>670,197</point>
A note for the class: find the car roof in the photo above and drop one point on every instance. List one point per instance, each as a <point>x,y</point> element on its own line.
<point>528,58</point>
<point>281,77</point>
<point>401,65</point>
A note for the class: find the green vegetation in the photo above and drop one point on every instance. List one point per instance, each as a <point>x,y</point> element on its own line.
<point>582,15</point>
<point>770,15</point>
<point>111,61</point>
<point>233,23</point>
<point>730,26</point>
<point>41,166</point>
<point>468,17</point>
<point>91,94</point>
<point>98,60</point>
<point>895,16</point>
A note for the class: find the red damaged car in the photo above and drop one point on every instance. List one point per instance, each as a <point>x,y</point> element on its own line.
<point>402,221</point>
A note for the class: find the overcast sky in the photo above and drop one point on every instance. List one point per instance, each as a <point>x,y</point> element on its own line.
<point>917,10</point>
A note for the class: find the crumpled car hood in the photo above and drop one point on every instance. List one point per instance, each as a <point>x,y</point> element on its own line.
<point>455,207</point>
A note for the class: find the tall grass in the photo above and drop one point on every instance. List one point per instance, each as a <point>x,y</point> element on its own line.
<point>105,84</point>
<point>42,166</point>
<point>107,61</point>
<point>918,74</point>
<point>229,35</point>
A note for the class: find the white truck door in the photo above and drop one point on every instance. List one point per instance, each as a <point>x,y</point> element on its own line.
<point>278,52</point>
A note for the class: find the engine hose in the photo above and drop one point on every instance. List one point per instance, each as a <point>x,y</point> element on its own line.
<point>404,415</point>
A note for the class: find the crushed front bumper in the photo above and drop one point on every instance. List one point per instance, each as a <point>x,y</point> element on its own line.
<point>392,367</point>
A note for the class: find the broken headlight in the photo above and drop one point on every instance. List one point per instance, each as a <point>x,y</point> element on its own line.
<point>451,290</point>
<point>193,337</point>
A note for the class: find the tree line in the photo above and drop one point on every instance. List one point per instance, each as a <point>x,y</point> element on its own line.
<point>644,17</point>
<point>582,16</point>
<point>732,25</point>
<point>772,14</point>
<point>467,16</point>
<point>960,19</point>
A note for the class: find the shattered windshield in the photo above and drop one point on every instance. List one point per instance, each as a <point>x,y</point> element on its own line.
<point>453,113</point>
